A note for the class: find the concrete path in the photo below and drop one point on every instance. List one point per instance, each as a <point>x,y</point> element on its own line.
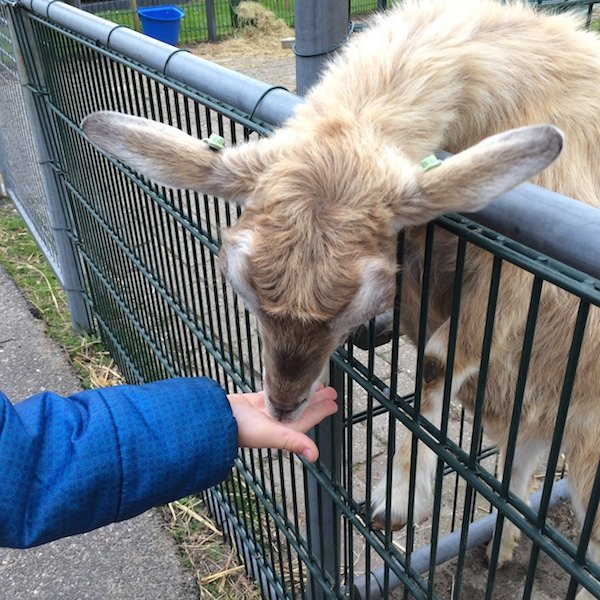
<point>136,559</point>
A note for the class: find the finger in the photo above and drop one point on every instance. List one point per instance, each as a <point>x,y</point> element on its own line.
<point>322,393</point>
<point>257,430</point>
<point>314,414</point>
<point>284,438</point>
<point>256,399</point>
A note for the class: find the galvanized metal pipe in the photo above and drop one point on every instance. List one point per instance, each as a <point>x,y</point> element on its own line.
<point>447,548</point>
<point>321,28</point>
<point>270,104</point>
<point>552,224</point>
<point>323,516</point>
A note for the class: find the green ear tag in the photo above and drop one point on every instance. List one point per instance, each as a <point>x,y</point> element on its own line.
<point>430,162</point>
<point>215,142</point>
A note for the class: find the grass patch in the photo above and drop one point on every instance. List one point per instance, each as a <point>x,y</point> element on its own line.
<point>26,265</point>
<point>215,565</point>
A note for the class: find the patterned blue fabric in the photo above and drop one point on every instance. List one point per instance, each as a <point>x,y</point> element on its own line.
<point>70,465</point>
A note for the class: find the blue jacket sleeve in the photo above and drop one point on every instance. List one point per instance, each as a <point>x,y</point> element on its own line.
<point>70,465</point>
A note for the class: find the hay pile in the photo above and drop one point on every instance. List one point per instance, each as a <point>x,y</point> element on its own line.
<point>259,35</point>
<point>257,22</point>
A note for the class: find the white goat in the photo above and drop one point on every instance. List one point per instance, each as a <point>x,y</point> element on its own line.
<point>313,254</point>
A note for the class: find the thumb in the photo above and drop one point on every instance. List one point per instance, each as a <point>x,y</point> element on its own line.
<point>298,443</point>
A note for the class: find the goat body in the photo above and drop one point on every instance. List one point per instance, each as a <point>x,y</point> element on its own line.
<point>313,253</point>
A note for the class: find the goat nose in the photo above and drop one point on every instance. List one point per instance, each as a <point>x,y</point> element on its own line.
<point>285,413</point>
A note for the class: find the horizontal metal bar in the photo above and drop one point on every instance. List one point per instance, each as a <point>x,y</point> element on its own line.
<point>272,105</point>
<point>562,228</point>
<point>559,3</point>
<point>480,532</point>
<point>479,478</point>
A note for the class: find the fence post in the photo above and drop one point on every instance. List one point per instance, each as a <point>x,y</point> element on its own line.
<point>211,20</point>
<point>323,516</point>
<point>235,21</point>
<point>321,27</point>
<point>34,90</point>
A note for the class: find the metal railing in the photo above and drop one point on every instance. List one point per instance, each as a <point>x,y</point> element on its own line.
<point>146,257</point>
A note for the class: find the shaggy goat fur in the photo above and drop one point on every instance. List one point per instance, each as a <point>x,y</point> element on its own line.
<point>314,251</point>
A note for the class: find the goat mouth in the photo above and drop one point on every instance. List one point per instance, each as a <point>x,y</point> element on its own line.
<point>286,414</point>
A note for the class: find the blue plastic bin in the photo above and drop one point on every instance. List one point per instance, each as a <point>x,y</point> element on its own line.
<point>162,22</point>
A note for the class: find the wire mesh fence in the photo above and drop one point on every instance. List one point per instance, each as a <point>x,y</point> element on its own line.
<point>18,164</point>
<point>148,259</point>
<point>202,21</point>
<point>208,20</point>
<point>215,19</point>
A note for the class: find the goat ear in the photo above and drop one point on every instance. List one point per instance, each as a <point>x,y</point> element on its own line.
<point>469,180</point>
<point>172,158</point>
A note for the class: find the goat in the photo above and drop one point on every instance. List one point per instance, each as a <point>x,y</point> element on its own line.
<point>313,253</point>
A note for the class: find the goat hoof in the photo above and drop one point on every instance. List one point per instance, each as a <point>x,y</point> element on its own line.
<point>504,556</point>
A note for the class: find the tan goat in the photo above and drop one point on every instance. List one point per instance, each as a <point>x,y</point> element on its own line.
<point>313,254</point>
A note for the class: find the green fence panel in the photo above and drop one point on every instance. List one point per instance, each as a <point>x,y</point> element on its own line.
<point>213,19</point>
<point>18,165</point>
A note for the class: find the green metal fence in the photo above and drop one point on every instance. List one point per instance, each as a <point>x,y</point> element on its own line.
<point>27,170</point>
<point>22,177</point>
<point>147,259</point>
<point>215,19</point>
<point>202,21</point>
<point>207,20</point>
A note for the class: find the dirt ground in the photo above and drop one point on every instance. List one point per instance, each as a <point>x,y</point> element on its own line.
<point>265,59</point>
<point>551,582</point>
<point>257,53</point>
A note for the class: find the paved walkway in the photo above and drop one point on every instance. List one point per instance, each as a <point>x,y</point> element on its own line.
<point>136,559</point>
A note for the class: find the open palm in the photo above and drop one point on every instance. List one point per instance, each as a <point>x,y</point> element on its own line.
<point>258,429</point>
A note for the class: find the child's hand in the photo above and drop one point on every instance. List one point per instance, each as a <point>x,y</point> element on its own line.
<point>257,429</point>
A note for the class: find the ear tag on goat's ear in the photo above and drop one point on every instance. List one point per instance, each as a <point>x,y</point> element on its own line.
<point>215,142</point>
<point>430,162</point>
